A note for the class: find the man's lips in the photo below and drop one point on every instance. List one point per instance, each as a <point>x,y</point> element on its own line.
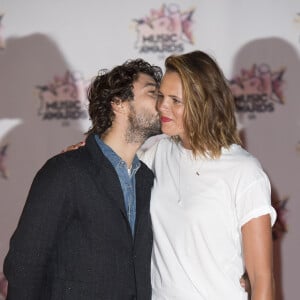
<point>165,119</point>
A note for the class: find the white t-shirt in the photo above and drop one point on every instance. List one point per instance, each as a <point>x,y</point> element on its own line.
<point>198,207</point>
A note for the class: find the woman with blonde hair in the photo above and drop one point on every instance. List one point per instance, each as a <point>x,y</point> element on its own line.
<point>210,204</point>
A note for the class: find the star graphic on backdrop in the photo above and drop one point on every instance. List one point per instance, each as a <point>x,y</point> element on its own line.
<point>2,40</point>
<point>6,125</point>
<point>280,227</point>
<point>298,147</point>
<point>3,152</point>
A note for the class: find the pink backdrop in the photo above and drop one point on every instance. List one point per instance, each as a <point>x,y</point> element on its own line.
<point>51,50</point>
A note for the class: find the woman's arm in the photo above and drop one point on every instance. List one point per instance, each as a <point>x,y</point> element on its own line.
<point>257,247</point>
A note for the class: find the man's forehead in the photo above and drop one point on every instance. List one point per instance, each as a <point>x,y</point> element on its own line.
<point>146,80</point>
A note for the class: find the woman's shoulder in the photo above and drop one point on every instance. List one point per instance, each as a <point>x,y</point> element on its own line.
<point>246,167</point>
<point>241,156</point>
<point>147,153</point>
<point>154,141</point>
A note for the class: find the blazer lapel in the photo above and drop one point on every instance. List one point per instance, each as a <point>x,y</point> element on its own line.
<point>105,175</point>
<point>142,198</point>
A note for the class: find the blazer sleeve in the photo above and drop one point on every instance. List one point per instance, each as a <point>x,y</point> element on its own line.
<point>44,216</point>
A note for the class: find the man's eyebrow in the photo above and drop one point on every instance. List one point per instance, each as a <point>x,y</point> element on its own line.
<point>151,84</point>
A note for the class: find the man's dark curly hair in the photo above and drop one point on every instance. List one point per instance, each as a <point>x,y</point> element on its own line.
<point>117,83</point>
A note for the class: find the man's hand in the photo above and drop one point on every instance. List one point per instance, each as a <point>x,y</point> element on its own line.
<point>245,283</point>
<point>74,147</point>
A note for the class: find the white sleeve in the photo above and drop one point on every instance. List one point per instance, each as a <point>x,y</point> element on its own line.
<point>147,156</point>
<point>148,150</point>
<point>254,200</point>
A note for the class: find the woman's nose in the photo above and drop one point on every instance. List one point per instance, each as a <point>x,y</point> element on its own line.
<point>163,105</point>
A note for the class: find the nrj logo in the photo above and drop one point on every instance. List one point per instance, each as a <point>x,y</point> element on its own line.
<point>63,99</point>
<point>258,90</point>
<point>165,30</point>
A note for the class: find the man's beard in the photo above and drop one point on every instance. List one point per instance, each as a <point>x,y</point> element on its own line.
<point>142,126</point>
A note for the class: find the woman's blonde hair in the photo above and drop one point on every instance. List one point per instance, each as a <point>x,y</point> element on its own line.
<point>209,118</point>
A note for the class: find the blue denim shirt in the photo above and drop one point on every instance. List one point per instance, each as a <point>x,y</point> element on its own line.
<point>126,177</point>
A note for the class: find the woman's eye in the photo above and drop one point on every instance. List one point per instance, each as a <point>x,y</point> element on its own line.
<point>160,97</point>
<point>176,101</point>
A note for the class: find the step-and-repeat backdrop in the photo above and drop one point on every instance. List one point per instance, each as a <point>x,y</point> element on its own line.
<point>50,50</point>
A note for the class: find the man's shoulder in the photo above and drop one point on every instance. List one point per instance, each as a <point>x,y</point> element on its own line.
<point>73,155</point>
<point>66,162</point>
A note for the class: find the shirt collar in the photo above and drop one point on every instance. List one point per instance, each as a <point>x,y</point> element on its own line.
<point>114,158</point>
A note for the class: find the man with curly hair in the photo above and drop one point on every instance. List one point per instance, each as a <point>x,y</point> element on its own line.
<point>85,231</point>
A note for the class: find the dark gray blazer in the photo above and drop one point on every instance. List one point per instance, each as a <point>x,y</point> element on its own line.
<point>73,240</point>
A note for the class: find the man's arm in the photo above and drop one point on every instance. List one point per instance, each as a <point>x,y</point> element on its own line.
<point>32,243</point>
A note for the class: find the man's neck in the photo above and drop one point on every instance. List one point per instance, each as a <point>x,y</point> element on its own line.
<point>117,142</point>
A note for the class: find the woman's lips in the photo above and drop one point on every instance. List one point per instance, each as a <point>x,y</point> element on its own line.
<point>165,119</point>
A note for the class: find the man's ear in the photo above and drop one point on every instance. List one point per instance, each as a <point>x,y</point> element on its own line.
<point>117,105</point>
